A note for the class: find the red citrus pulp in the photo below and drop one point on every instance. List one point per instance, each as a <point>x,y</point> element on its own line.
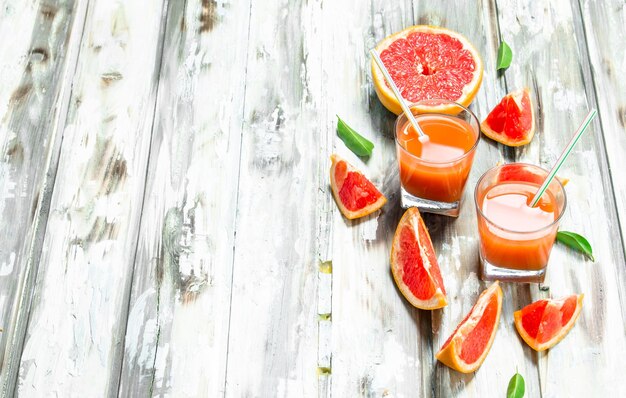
<point>355,195</point>
<point>428,62</point>
<point>468,346</point>
<point>512,121</point>
<point>414,264</point>
<point>544,323</point>
<point>519,172</point>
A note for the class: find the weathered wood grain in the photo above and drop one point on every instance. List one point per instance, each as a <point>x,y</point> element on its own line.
<point>177,330</point>
<point>37,55</point>
<point>273,345</point>
<point>73,343</point>
<point>192,246</point>
<point>380,344</point>
<point>603,33</point>
<point>548,60</point>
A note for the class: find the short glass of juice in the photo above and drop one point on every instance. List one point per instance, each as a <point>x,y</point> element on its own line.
<point>516,239</point>
<point>433,174</point>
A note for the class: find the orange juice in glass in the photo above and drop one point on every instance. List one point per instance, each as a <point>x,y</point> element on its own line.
<point>433,174</point>
<point>516,239</point>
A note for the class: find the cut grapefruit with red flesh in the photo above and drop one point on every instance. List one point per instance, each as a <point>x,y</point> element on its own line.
<point>544,323</point>
<point>428,62</point>
<point>516,172</point>
<point>355,195</point>
<point>414,264</point>
<point>468,346</point>
<point>512,121</point>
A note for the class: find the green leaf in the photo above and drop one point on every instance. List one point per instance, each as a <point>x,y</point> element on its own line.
<point>576,242</point>
<point>516,386</point>
<point>353,140</point>
<point>505,55</point>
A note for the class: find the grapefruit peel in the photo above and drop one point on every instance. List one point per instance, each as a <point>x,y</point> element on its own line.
<point>428,292</point>
<point>546,312</point>
<point>453,350</point>
<point>354,194</point>
<point>518,172</point>
<point>423,73</point>
<point>512,121</point>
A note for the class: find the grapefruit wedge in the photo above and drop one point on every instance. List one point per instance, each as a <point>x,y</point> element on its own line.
<point>414,265</point>
<point>544,323</point>
<point>468,346</point>
<point>519,172</point>
<point>512,121</point>
<point>428,62</point>
<point>355,195</point>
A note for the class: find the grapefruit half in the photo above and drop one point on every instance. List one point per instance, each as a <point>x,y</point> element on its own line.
<point>355,195</point>
<point>468,346</point>
<point>414,265</point>
<point>544,323</point>
<point>428,62</point>
<point>512,121</point>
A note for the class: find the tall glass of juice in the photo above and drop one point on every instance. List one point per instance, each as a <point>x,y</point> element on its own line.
<point>433,173</point>
<point>516,239</point>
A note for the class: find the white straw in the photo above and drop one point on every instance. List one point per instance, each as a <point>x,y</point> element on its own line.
<point>405,108</point>
<point>564,155</point>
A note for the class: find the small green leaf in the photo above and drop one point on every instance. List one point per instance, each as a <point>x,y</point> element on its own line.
<point>505,55</point>
<point>516,386</point>
<point>576,242</point>
<point>353,140</point>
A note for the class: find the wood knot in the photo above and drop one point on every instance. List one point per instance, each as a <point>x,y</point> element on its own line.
<point>39,54</point>
<point>110,77</point>
<point>621,115</point>
<point>48,12</point>
<point>15,152</point>
<point>20,93</point>
<point>208,16</point>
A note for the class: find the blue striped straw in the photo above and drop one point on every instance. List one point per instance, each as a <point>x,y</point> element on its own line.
<point>564,155</point>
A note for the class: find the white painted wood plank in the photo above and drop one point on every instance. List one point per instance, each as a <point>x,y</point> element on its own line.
<point>37,57</point>
<point>73,344</point>
<point>177,330</point>
<point>273,341</point>
<point>604,24</point>
<point>548,60</point>
<point>380,344</point>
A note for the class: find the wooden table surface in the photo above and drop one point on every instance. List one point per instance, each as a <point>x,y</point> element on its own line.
<point>167,228</point>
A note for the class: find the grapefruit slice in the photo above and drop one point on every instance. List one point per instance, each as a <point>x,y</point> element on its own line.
<point>414,265</point>
<point>355,195</point>
<point>468,346</point>
<point>428,62</point>
<point>519,172</point>
<point>512,121</point>
<point>544,323</point>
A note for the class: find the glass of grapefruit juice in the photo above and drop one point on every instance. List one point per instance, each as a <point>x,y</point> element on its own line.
<point>516,239</point>
<point>433,174</point>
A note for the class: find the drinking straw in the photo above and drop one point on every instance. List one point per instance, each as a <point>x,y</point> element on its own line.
<point>564,155</point>
<point>405,108</point>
